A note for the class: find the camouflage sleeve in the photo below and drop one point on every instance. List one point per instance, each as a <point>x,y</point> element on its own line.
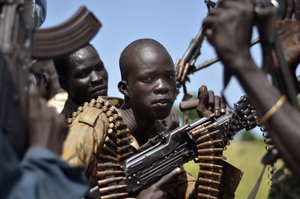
<point>86,135</point>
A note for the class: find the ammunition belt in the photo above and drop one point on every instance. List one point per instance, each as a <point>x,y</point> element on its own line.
<point>210,159</point>
<point>211,141</point>
<point>115,150</point>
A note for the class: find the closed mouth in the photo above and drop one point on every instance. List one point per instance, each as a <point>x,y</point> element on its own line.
<point>99,89</point>
<point>162,102</point>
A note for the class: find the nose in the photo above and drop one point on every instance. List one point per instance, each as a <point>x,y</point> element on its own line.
<point>96,78</point>
<point>161,87</point>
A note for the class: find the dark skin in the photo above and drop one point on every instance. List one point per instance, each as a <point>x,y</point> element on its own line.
<point>45,127</point>
<point>149,87</point>
<point>87,77</point>
<point>46,78</point>
<point>148,84</point>
<point>209,103</point>
<point>229,31</point>
<point>155,191</point>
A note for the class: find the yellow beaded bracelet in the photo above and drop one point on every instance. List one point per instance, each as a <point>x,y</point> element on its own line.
<point>273,110</point>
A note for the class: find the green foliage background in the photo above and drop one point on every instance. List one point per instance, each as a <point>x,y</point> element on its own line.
<point>245,155</point>
<point>244,152</point>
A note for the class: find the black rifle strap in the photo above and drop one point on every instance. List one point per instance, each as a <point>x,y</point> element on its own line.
<point>285,77</point>
<point>226,80</point>
<point>255,189</point>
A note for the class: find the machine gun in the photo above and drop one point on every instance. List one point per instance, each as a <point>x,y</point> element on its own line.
<point>19,42</point>
<point>169,150</point>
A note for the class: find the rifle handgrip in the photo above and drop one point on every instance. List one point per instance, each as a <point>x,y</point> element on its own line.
<point>188,105</point>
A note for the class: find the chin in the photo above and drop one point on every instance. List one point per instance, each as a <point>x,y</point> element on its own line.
<point>163,114</point>
<point>97,94</point>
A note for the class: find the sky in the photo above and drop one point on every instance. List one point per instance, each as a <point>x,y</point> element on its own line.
<point>172,23</point>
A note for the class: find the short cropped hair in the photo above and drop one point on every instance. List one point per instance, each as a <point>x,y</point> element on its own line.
<point>62,64</point>
<point>134,47</point>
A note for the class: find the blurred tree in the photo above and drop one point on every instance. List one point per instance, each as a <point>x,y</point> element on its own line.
<point>248,136</point>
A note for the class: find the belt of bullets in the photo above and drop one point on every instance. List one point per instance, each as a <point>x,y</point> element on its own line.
<point>115,150</point>
<point>210,148</point>
<point>211,140</point>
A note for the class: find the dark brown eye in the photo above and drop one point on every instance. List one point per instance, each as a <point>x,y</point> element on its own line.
<point>147,79</point>
<point>100,68</point>
<point>82,74</point>
<point>170,76</point>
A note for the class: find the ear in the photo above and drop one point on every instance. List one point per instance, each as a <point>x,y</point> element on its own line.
<point>123,88</point>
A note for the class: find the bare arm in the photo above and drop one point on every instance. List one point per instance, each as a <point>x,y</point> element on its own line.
<point>156,190</point>
<point>229,30</point>
<point>41,174</point>
<point>46,128</point>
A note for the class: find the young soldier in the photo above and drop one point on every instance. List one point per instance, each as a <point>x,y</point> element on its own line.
<point>83,75</point>
<point>149,88</point>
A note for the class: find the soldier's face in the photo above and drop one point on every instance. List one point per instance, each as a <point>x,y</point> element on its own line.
<point>152,86</point>
<point>87,76</point>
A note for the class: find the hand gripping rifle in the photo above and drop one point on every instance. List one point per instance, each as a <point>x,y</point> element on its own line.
<point>202,140</point>
<point>186,65</point>
<point>19,42</point>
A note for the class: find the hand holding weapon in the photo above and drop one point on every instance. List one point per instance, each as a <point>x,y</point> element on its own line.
<point>19,42</point>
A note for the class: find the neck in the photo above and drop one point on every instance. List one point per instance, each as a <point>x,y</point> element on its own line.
<point>142,129</point>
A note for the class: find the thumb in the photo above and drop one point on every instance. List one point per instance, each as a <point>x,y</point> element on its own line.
<point>202,91</point>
